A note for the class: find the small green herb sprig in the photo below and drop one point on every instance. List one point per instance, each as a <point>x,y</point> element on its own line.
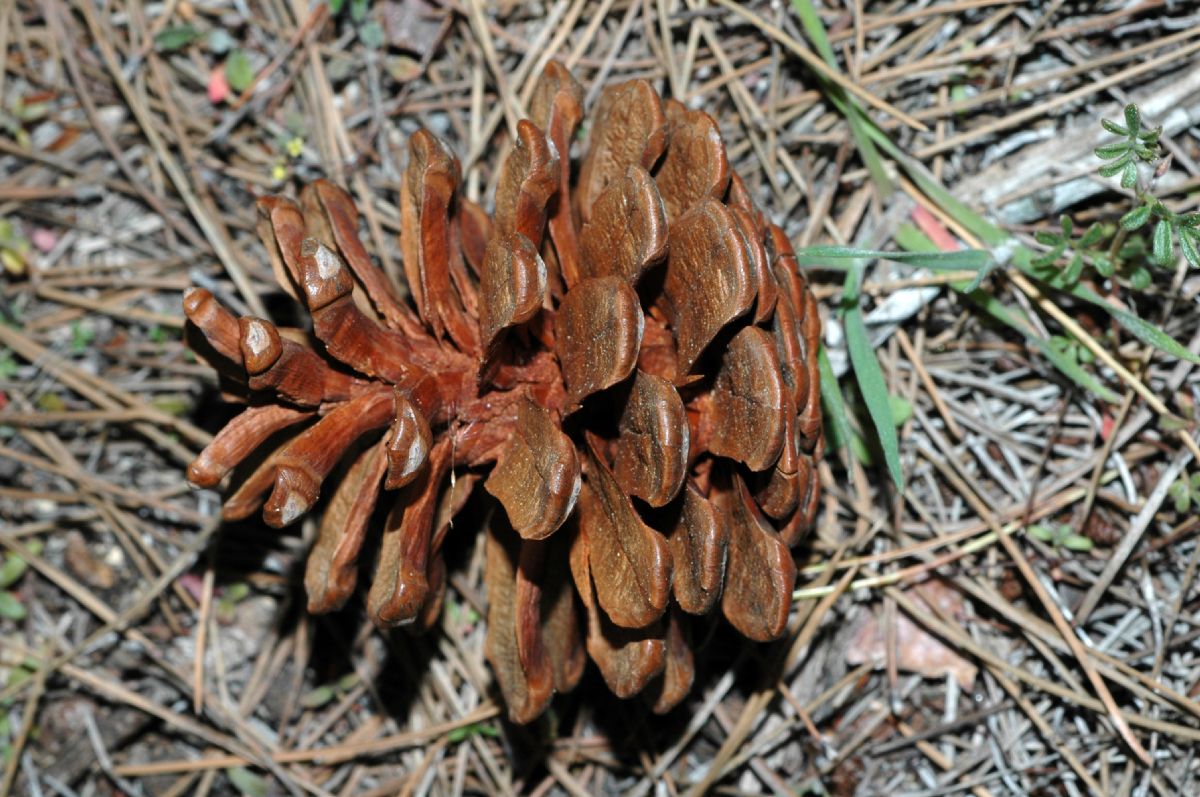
<point>1088,248</point>
<point>1140,146</point>
<point>1108,248</point>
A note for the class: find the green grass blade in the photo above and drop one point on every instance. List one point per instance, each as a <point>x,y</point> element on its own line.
<point>909,238</point>
<point>980,227</point>
<point>810,20</point>
<point>961,260</point>
<point>855,116</point>
<point>870,377</point>
<point>1059,359</point>
<point>916,240</point>
<point>1140,328</point>
<point>836,415</point>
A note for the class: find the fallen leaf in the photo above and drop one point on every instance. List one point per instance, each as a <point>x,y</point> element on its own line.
<point>917,650</point>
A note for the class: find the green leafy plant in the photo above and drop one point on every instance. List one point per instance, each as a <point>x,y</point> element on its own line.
<point>322,695</point>
<point>248,783</point>
<point>370,32</point>
<point>1140,146</point>
<point>160,334</point>
<point>177,37</point>
<point>17,675</point>
<point>82,337</point>
<point>474,729</point>
<point>14,249</point>
<point>1110,249</point>
<point>231,596</point>
<point>461,613</point>
<point>1088,248</point>
<point>1071,348</point>
<point>1185,492</point>
<point>1123,255</point>
<point>12,568</point>
<point>11,607</point>
<point>8,364</point>
<point>18,115</point>
<point>238,70</point>
<point>1169,227</point>
<point>1060,535</point>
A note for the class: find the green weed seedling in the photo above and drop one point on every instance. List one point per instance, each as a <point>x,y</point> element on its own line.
<point>1060,536</point>
<point>1185,492</point>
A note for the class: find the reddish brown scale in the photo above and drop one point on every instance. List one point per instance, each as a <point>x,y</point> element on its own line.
<point>239,439</point>
<point>652,447</point>
<point>537,478</point>
<point>349,336</point>
<point>407,443</point>
<point>628,129</point>
<point>598,333</point>
<point>281,226</point>
<point>706,249</point>
<point>561,632</point>
<point>766,288</point>
<point>679,669</point>
<point>695,167</point>
<point>747,416</point>
<point>557,108</point>
<point>628,659</point>
<point>626,361</point>
<point>332,570</point>
<point>337,220</point>
<point>402,584</point>
<point>293,372</point>
<point>514,645</point>
<point>430,186</point>
<point>780,485</point>
<point>218,325</point>
<point>629,561</point>
<point>303,464</point>
<point>474,228</point>
<point>699,539</point>
<point>628,231</point>
<point>529,178</point>
<point>760,572</point>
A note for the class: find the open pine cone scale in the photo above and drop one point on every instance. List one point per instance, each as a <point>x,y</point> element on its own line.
<point>629,357</point>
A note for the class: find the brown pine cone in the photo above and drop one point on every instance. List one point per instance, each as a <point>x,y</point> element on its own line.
<point>630,358</point>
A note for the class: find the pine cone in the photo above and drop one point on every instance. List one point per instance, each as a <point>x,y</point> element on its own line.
<point>629,357</point>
